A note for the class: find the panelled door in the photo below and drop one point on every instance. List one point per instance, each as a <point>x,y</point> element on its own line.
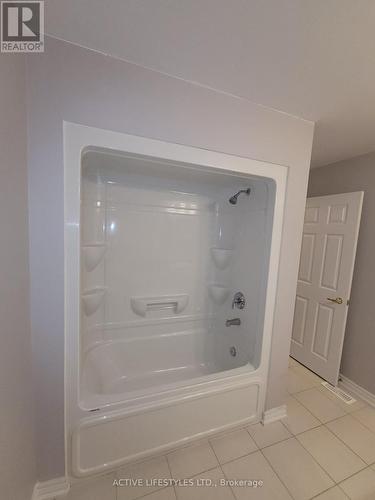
<point>324,281</point>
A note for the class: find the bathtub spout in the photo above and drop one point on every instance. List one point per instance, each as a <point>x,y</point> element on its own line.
<point>233,322</point>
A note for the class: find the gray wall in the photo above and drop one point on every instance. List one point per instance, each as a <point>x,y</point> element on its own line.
<point>356,174</point>
<point>17,461</point>
<point>71,83</point>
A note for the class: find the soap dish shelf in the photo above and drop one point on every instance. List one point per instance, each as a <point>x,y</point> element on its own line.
<point>92,299</point>
<point>93,254</point>
<point>221,257</point>
<point>143,305</point>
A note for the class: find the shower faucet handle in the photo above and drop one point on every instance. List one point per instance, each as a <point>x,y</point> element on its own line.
<point>239,301</point>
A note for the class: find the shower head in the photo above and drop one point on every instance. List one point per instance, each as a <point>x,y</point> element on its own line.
<point>233,199</point>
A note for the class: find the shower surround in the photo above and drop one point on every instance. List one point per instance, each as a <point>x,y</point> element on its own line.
<point>171,269</point>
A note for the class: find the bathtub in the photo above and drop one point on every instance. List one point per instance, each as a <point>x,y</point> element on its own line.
<point>142,365</point>
<point>156,255</point>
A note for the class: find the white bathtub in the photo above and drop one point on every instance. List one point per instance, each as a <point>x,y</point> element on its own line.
<point>128,366</point>
<point>151,393</point>
<point>140,365</point>
<point>160,253</point>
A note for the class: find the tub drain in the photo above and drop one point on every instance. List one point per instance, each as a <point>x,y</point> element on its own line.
<point>233,351</point>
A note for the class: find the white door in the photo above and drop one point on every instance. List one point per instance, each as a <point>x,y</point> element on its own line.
<point>325,274</point>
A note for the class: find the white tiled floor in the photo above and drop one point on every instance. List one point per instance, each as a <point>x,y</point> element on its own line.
<point>324,450</point>
<point>233,445</point>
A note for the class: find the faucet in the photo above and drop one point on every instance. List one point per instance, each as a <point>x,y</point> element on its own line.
<point>233,322</point>
<point>238,301</point>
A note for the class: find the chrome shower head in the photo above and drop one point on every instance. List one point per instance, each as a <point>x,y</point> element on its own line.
<point>233,199</point>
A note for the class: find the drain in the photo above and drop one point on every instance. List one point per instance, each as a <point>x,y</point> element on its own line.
<point>233,351</point>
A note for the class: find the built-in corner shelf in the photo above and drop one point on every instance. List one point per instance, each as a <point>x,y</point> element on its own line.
<point>92,299</point>
<point>221,257</point>
<point>143,305</point>
<point>218,293</point>
<point>92,254</point>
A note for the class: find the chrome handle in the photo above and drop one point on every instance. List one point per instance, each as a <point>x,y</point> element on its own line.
<point>337,300</point>
<point>239,301</point>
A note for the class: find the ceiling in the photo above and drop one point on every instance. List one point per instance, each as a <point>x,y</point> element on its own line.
<point>311,58</point>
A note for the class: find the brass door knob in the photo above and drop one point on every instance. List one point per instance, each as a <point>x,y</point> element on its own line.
<point>337,300</point>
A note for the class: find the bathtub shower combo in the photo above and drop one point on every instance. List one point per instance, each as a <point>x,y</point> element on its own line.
<point>171,264</point>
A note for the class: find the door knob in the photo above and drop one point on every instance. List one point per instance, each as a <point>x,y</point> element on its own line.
<point>337,300</point>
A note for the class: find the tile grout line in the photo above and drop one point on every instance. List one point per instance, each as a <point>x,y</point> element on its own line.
<point>318,387</point>
<point>343,442</point>
<point>340,405</point>
<point>277,475</point>
<point>276,442</point>
<point>357,419</point>
<point>170,472</point>
<point>334,482</point>
<point>329,489</point>
<point>293,436</point>
<point>367,466</point>
<point>270,464</point>
<point>147,494</point>
<point>324,425</point>
<point>352,475</point>
<point>350,448</point>
<point>210,468</point>
<point>201,472</point>
<point>325,397</point>
<point>222,470</point>
<point>241,456</point>
<point>304,407</point>
<point>155,491</point>
<point>321,422</point>
<point>316,461</point>
<point>343,492</point>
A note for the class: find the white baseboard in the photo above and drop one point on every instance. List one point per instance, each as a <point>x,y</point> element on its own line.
<point>49,490</point>
<point>356,390</point>
<point>274,414</point>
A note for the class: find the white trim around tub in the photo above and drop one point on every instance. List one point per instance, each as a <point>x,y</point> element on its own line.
<point>274,414</point>
<point>49,490</point>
